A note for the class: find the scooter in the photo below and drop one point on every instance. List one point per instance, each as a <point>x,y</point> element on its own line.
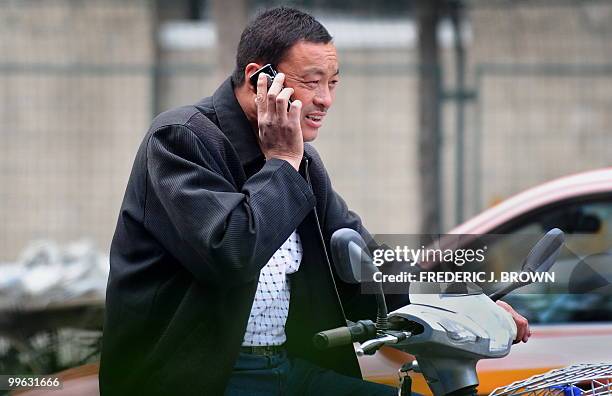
<point>448,328</point>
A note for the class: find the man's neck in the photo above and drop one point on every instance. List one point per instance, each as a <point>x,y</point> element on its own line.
<point>247,102</point>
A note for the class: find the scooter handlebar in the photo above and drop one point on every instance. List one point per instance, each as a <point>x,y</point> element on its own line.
<point>332,338</point>
<point>345,335</point>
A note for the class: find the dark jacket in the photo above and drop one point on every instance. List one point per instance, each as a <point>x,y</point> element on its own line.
<point>202,214</point>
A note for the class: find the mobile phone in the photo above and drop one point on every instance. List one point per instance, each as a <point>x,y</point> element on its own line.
<point>269,71</point>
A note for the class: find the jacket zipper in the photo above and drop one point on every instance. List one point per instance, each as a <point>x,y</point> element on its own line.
<point>322,240</point>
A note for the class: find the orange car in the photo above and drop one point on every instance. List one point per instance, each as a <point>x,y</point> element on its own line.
<point>565,329</point>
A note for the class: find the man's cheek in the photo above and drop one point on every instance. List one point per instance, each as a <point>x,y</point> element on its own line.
<point>303,124</point>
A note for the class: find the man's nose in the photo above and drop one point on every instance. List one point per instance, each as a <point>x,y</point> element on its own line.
<point>323,98</point>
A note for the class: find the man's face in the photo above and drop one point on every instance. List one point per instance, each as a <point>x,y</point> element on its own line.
<point>311,69</point>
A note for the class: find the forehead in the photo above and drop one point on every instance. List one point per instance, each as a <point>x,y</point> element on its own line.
<point>305,57</point>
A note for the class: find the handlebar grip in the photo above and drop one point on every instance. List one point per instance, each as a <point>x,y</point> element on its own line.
<point>355,332</point>
<point>332,338</point>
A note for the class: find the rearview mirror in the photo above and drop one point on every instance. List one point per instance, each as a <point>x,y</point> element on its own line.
<point>351,256</point>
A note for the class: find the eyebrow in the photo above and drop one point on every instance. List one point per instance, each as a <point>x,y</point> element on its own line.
<point>318,70</point>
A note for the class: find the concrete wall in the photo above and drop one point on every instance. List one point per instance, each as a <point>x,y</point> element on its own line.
<point>69,132</point>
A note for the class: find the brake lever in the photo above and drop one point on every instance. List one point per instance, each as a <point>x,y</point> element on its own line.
<point>371,346</point>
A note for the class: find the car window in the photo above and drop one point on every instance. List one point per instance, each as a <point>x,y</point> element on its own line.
<point>585,259</point>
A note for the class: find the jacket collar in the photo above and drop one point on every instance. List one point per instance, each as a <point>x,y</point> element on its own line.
<point>234,123</point>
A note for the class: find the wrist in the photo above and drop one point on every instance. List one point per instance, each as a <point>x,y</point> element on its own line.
<point>292,160</point>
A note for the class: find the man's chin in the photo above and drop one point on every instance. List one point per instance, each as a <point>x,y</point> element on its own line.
<point>310,134</point>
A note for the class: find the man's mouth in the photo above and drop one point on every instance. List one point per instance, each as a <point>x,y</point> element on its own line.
<point>315,120</point>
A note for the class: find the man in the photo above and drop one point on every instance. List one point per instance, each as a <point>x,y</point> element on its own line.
<point>219,268</point>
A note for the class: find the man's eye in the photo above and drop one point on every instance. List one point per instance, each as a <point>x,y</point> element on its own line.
<point>312,83</point>
<point>333,83</point>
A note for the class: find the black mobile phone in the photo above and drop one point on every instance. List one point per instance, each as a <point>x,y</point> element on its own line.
<point>269,71</point>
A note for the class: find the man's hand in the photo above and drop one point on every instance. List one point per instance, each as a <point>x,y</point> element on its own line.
<point>522,324</point>
<point>280,133</point>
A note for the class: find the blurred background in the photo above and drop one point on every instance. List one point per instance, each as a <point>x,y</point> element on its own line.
<point>444,109</point>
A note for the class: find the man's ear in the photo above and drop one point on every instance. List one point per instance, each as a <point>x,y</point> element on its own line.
<point>249,70</point>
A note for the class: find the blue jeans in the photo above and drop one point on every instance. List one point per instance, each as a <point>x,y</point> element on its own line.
<point>256,375</point>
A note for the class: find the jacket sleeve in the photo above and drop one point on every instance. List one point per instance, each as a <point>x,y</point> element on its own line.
<point>232,232</point>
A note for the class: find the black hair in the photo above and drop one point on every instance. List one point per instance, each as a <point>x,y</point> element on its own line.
<point>268,37</point>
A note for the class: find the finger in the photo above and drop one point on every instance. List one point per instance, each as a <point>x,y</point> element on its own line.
<point>277,84</point>
<point>260,98</point>
<point>520,334</point>
<point>523,326</point>
<point>295,111</point>
<point>281,102</point>
<point>527,334</point>
<point>275,88</point>
<point>519,328</point>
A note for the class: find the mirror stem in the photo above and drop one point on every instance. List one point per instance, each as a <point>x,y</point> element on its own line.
<point>381,317</point>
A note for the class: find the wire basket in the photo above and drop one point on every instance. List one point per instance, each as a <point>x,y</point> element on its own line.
<point>588,379</point>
